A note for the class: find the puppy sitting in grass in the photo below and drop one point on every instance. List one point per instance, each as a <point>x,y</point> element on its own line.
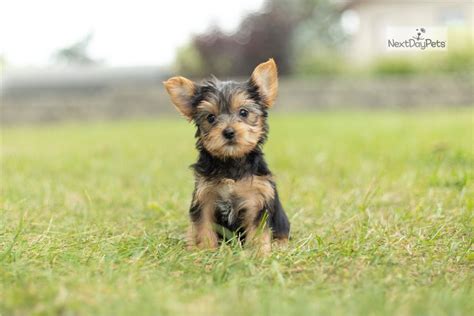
<point>234,190</point>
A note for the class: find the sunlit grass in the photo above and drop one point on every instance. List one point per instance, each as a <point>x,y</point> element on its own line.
<point>93,219</point>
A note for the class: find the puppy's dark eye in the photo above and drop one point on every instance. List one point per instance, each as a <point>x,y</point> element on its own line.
<point>243,113</point>
<point>211,118</point>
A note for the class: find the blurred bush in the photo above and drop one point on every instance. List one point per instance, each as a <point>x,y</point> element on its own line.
<point>394,65</point>
<point>321,64</point>
<point>188,61</point>
<point>458,59</point>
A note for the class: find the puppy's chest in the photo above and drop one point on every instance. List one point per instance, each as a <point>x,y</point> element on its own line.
<point>227,202</point>
<point>233,198</point>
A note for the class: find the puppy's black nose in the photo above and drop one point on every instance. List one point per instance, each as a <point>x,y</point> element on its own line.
<point>228,133</point>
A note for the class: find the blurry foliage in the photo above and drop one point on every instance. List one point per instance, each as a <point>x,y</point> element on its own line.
<point>459,61</point>
<point>77,53</point>
<point>321,64</point>
<point>394,65</point>
<point>189,60</point>
<point>289,31</point>
<point>460,57</point>
<point>449,63</point>
<point>318,39</point>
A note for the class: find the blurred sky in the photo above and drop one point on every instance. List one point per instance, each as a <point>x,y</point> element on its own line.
<point>126,33</point>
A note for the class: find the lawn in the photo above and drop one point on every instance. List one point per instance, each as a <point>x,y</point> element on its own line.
<point>93,218</point>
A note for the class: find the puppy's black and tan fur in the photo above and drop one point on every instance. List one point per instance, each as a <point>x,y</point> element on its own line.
<point>233,186</point>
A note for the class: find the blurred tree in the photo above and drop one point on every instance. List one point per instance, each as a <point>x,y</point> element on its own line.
<point>280,30</point>
<point>318,40</point>
<point>189,59</point>
<point>77,53</point>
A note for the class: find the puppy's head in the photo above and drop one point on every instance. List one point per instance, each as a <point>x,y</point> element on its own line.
<point>230,116</point>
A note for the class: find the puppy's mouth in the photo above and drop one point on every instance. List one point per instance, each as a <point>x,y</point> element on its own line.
<point>231,142</point>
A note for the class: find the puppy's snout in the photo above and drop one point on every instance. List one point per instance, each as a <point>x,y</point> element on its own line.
<point>228,133</point>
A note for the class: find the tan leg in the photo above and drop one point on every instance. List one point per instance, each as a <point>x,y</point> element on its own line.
<point>201,233</point>
<point>206,238</point>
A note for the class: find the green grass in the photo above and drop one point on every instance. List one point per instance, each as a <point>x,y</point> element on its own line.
<point>93,219</point>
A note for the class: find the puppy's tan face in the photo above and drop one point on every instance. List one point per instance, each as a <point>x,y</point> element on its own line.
<point>230,116</point>
<point>231,124</point>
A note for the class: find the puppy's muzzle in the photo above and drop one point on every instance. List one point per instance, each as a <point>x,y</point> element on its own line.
<point>228,133</point>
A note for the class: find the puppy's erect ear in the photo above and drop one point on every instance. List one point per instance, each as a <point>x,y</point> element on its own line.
<point>265,76</point>
<point>181,91</point>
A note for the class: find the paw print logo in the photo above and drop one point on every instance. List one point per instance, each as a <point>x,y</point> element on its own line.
<point>419,32</point>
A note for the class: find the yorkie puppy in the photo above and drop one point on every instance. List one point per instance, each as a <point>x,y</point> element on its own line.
<point>234,189</point>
